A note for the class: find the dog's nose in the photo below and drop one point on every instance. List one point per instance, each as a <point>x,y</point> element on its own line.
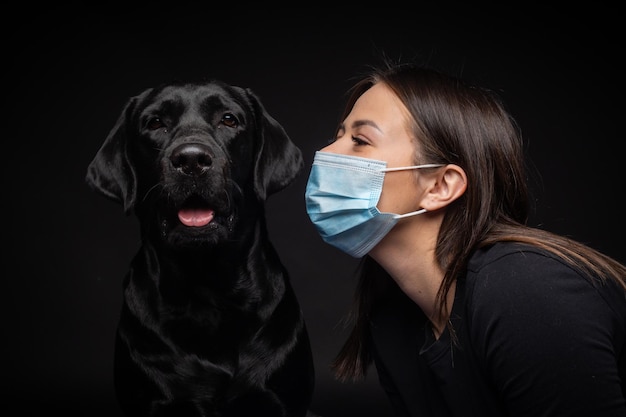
<point>191,158</point>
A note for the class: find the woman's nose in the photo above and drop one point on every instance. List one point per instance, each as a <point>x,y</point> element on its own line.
<point>327,148</point>
<point>334,147</point>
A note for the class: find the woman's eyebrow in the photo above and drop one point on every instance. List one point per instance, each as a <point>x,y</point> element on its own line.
<point>366,122</point>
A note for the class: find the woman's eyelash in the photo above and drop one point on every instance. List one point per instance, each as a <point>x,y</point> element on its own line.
<point>358,141</point>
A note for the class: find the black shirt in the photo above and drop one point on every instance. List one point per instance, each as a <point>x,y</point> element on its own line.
<point>534,338</point>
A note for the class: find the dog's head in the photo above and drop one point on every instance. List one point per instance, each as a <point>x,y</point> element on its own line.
<point>194,161</point>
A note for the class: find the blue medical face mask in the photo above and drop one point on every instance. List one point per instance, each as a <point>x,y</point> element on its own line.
<point>341,197</point>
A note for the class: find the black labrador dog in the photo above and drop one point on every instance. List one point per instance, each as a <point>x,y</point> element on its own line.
<point>210,325</point>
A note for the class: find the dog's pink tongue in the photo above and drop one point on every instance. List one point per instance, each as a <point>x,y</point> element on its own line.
<point>195,217</point>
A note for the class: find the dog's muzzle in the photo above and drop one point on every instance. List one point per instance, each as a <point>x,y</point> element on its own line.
<point>191,162</point>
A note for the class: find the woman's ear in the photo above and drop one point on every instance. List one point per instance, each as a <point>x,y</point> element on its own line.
<point>448,184</point>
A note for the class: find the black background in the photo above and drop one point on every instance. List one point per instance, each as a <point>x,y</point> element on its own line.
<point>69,72</point>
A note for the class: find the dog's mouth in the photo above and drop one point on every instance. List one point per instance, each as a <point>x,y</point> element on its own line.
<point>195,212</point>
<point>195,216</point>
<point>196,221</point>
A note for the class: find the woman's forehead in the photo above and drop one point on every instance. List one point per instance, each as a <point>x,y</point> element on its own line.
<point>380,108</point>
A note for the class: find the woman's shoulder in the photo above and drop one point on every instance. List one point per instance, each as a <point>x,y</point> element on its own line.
<point>511,261</point>
<point>501,254</point>
<point>515,275</point>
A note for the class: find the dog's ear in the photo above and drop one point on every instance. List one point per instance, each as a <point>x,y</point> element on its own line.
<point>111,173</point>
<point>278,160</point>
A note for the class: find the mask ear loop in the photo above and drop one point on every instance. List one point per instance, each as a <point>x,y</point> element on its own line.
<point>420,211</point>
<point>413,213</point>
<point>412,167</point>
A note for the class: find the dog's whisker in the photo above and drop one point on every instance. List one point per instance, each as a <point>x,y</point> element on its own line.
<point>154,187</point>
<point>237,190</point>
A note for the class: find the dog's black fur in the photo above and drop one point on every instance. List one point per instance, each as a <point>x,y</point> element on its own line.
<point>210,325</point>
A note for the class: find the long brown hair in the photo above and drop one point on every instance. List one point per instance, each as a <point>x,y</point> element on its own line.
<point>463,124</point>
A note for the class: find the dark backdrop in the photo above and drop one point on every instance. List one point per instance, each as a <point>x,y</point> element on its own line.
<point>67,248</point>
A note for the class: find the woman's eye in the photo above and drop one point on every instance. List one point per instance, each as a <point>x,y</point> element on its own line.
<point>358,142</point>
<point>229,120</point>
<point>155,123</point>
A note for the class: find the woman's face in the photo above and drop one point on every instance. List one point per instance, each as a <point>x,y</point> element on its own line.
<point>378,128</point>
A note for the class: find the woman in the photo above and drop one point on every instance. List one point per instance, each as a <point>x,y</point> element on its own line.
<point>463,308</point>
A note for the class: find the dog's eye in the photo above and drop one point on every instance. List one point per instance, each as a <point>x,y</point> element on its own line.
<point>229,120</point>
<point>155,123</point>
